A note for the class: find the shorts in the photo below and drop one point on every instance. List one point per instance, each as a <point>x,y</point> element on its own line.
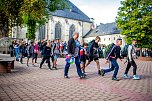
<point>83,62</point>
<point>93,58</point>
<point>56,56</point>
<point>31,55</point>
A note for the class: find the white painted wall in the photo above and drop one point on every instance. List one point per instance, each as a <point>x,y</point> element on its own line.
<point>105,39</point>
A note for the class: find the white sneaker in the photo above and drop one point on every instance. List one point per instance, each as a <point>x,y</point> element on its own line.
<point>135,77</point>
<point>126,76</point>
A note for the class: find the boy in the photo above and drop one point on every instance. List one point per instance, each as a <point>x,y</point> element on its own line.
<point>112,57</point>
<point>131,62</point>
<point>93,53</point>
<point>83,56</point>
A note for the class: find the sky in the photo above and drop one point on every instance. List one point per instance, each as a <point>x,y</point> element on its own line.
<point>103,11</point>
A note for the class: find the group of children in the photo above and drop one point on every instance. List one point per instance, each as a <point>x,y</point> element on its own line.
<point>85,54</point>
<point>90,52</point>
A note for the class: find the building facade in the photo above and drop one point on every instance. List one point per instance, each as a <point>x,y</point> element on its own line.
<point>61,24</point>
<point>107,32</point>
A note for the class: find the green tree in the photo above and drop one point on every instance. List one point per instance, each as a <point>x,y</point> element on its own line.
<point>135,20</point>
<point>27,13</point>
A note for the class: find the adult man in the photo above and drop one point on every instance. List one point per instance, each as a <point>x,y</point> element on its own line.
<point>112,57</point>
<point>131,62</point>
<point>73,51</point>
<point>93,53</point>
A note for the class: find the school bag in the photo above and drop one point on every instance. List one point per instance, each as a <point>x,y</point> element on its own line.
<point>124,52</point>
<point>89,46</point>
<point>108,49</point>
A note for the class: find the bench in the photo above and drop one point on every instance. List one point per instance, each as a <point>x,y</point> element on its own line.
<point>6,64</point>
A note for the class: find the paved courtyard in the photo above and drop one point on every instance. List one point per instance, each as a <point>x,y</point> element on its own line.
<point>35,84</point>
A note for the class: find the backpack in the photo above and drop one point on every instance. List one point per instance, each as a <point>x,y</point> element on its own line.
<point>124,52</point>
<point>108,49</point>
<point>89,46</point>
<point>54,48</point>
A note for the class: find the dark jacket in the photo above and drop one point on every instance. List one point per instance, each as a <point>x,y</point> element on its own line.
<point>114,53</point>
<point>47,51</point>
<point>93,48</point>
<point>22,49</point>
<point>71,46</point>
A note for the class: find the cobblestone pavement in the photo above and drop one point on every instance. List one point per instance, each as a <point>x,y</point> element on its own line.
<point>35,84</point>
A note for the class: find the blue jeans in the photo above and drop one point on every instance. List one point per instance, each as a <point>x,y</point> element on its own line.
<point>17,53</point>
<point>77,62</point>
<point>114,66</point>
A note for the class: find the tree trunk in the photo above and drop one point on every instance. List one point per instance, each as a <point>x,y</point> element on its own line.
<point>140,51</point>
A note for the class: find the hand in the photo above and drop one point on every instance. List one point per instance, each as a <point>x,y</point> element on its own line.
<point>121,60</point>
<point>131,62</point>
<point>106,61</point>
<point>69,56</point>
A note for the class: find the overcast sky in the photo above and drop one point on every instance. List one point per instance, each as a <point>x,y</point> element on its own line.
<point>103,11</point>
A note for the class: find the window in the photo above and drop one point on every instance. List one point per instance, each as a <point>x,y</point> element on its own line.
<point>58,31</point>
<point>114,38</point>
<point>109,39</point>
<point>71,31</point>
<point>104,39</point>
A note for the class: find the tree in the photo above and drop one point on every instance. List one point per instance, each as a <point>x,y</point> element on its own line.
<point>30,13</point>
<point>135,20</point>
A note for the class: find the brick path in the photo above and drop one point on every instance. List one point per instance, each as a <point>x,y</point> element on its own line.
<point>34,84</point>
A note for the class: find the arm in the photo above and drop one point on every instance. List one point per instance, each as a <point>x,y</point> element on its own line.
<point>107,58</point>
<point>91,49</point>
<point>130,52</point>
<point>69,46</point>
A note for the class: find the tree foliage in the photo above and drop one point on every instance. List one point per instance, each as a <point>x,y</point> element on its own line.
<point>28,13</point>
<point>135,20</point>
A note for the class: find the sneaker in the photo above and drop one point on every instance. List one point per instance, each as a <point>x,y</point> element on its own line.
<point>115,79</point>
<point>135,77</point>
<point>82,77</point>
<point>66,76</point>
<point>126,76</point>
<point>99,72</point>
<point>84,74</point>
<point>102,72</point>
<point>55,68</point>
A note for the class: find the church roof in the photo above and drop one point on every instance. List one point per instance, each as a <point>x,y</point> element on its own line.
<point>72,13</point>
<point>103,29</point>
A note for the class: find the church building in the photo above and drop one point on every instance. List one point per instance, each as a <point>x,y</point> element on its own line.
<point>62,24</point>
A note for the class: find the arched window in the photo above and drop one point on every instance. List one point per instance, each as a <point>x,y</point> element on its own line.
<point>71,31</point>
<point>58,31</point>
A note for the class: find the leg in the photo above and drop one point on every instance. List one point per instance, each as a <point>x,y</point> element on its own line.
<point>110,69</point>
<point>77,62</point>
<point>66,69</point>
<point>28,57</point>
<point>36,57</point>
<point>43,59</point>
<point>98,64</point>
<point>116,67</point>
<point>32,58</point>
<point>135,67</point>
<point>128,67</point>
<point>48,61</point>
<point>89,61</point>
<point>21,58</point>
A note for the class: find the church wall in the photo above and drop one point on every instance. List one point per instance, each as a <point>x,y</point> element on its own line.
<point>86,27</point>
<point>65,27</point>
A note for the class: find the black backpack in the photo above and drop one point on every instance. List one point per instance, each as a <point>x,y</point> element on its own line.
<point>124,52</point>
<point>108,49</point>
